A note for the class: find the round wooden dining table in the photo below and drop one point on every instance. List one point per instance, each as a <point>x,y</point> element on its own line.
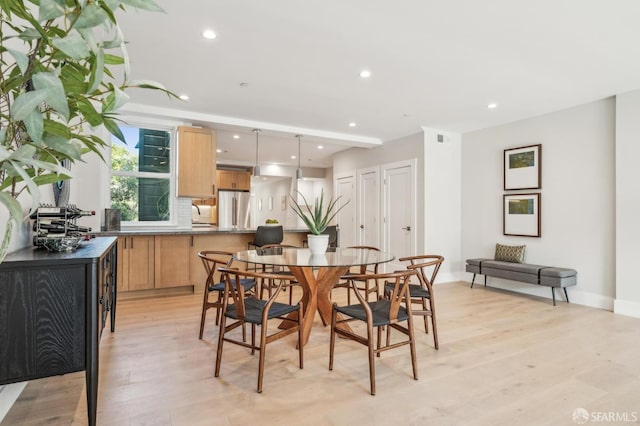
<point>317,274</point>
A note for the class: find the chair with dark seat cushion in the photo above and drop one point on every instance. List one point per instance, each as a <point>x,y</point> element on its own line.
<point>367,286</point>
<point>389,312</point>
<point>211,260</point>
<point>267,235</point>
<point>427,267</point>
<point>242,309</point>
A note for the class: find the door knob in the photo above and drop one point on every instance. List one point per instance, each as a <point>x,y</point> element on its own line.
<point>361,226</point>
<point>408,228</point>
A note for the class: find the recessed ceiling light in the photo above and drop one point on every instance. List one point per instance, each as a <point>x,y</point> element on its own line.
<point>320,147</point>
<point>293,157</point>
<point>236,136</point>
<point>243,84</point>
<point>492,105</point>
<point>209,34</point>
<point>352,124</point>
<point>218,150</point>
<point>184,97</point>
<point>365,73</point>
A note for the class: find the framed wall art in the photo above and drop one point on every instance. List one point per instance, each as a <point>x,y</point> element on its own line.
<point>522,167</point>
<point>521,215</point>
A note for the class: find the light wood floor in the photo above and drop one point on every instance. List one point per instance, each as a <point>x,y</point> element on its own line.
<point>504,359</point>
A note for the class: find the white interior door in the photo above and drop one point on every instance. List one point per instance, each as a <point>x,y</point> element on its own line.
<point>346,219</point>
<point>399,228</point>
<point>369,207</point>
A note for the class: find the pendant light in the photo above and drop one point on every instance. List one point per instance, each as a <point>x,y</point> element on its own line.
<point>299,171</point>
<point>256,168</point>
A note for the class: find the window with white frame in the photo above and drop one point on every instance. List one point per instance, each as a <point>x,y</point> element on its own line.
<point>141,178</point>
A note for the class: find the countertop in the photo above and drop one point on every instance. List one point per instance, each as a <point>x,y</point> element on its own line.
<point>199,230</point>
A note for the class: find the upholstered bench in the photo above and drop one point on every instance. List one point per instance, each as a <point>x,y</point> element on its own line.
<point>524,272</point>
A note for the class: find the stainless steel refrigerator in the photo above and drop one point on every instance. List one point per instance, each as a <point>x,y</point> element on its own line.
<point>233,209</point>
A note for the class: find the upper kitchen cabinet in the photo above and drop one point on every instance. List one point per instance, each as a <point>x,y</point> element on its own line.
<point>234,179</point>
<point>196,162</point>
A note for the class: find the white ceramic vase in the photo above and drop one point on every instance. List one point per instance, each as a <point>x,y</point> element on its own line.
<point>318,260</point>
<point>318,243</point>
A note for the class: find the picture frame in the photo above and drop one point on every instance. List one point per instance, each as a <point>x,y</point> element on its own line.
<point>522,167</point>
<point>521,215</point>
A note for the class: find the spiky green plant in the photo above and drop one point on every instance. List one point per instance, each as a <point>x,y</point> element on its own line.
<point>57,85</point>
<point>320,217</point>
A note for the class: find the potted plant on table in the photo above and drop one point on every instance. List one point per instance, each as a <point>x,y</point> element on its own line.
<point>58,83</point>
<point>317,219</point>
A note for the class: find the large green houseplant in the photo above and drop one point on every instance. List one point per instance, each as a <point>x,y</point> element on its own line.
<point>64,73</point>
<point>318,218</point>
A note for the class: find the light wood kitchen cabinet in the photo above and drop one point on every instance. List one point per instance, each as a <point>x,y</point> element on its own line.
<point>136,262</point>
<point>196,162</point>
<point>172,260</point>
<point>233,179</point>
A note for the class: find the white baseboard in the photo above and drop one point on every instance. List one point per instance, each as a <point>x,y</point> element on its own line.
<point>448,277</point>
<point>575,294</point>
<point>626,307</point>
<point>8,396</point>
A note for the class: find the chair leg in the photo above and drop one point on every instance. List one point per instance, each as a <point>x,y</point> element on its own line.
<point>412,346</point>
<point>426,320</point>
<point>379,340</point>
<point>433,323</point>
<point>204,312</point>
<point>253,338</point>
<point>204,316</point>
<point>263,347</point>
<point>223,323</point>
<point>332,339</point>
<point>372,365</point>
<point>300,326</point>
<point>219,308</point>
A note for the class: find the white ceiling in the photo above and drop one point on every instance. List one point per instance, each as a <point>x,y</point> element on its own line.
<point>433,63</point>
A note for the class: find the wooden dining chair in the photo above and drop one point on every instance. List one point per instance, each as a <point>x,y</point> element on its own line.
<point>211,260</point>
<point>241,309</point>
<point>426,267</point>
<point>389,312</point>
<point>366,286</point>
<point>289,283</point>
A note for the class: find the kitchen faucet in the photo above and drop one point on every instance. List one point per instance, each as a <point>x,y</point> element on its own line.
<point>197,208</point>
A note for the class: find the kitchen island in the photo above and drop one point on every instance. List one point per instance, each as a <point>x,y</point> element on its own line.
<point>164,261</point>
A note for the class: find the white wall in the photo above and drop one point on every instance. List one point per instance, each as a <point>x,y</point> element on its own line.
<point>578,223</point>
<point>627,203</point>
<point>442,201</point>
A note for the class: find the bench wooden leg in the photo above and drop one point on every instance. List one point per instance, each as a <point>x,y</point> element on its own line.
<point>473,279</point>
<point>485,281</point>
<point>553,294</point>
<point>566,295</point>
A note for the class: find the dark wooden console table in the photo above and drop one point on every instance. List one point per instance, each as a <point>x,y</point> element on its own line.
<point>53,307</point>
